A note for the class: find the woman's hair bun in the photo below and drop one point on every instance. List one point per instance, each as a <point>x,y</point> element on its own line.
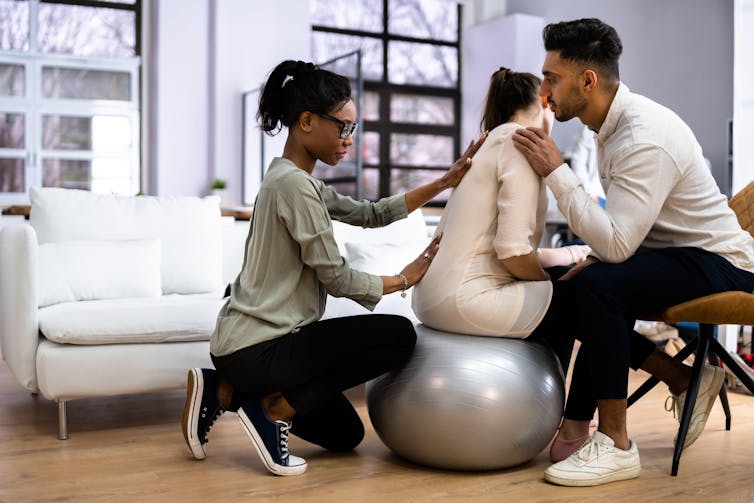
<point>302,68</point>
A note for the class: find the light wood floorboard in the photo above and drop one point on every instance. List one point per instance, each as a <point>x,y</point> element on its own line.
<point>130,449</point>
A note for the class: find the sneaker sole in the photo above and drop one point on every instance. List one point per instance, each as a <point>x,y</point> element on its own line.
<point>191,411</point>
<point>262,450</point>
<point>625,474</point>
<point>696,428</point>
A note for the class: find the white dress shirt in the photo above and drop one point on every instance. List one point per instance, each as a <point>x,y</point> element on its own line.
<point>659,192</point>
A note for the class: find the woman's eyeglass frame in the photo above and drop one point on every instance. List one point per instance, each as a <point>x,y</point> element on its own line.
<point>347,128</point>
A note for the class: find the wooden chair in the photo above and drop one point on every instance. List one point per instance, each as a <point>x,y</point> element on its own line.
<point>727,308</point>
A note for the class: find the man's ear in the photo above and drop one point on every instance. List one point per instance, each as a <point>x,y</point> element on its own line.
<point>589,80</point>
<point>305,121</point>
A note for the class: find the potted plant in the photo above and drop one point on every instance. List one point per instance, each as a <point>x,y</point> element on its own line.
<point>219,187</point>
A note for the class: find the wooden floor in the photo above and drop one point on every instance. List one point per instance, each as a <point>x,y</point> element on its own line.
<point>130,449</point>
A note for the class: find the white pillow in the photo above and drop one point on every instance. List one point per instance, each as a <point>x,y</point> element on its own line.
<point>384,258</point>
<point>189,228</point>
<point>70,271</point>
<point>406,230</point>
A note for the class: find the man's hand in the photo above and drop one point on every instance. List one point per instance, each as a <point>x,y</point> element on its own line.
<point>573,271</point>
<point>539,149</point>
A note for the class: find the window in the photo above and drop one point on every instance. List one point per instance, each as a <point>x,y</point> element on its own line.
<point>69,96</point>
<point>411,102</point>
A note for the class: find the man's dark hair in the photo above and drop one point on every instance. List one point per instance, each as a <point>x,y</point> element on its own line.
<point>588,41</point>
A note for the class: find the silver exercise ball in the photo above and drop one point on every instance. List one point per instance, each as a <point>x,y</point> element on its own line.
<point>469,403</point>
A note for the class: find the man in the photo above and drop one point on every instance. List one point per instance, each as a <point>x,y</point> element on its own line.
<point>665,236</point>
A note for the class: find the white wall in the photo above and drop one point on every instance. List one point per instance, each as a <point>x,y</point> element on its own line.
<point>205,53</point>
<point>743,96</point>
<point>180,57</point>
<point>512,41</point>
<point>251,39</point>
<point>676,52</point>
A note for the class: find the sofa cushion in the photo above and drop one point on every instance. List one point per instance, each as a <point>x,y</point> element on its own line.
<point>170,318</point>
<point>188,227</point>
<point>384,259</point>
<point>406,230</point>
<point>93,270</point>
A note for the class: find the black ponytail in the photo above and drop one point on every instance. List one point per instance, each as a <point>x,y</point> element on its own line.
<point>509,92</point>
<point>294,87</point>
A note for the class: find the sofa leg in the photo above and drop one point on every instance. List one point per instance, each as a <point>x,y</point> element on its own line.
<point>62,421</point>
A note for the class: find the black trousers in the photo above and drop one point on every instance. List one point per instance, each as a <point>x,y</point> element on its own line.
<point>312,368</point>
<point>600,306</point>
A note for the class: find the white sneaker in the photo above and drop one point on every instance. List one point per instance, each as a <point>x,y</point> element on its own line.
<point>709,388</point>
<point>597,462</point>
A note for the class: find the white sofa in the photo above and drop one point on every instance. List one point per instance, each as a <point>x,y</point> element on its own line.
<point>108,295</point>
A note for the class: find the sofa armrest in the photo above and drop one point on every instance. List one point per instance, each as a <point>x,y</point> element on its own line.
<point>19,327</point>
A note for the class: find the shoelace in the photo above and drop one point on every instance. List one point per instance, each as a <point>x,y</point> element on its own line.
<point>218,413</point>
<point>284,429</point>
<point>670,405</point>
<point>590,450</point>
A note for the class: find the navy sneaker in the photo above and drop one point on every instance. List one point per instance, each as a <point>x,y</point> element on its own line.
<point>270,439</point>
<point>201,410</point>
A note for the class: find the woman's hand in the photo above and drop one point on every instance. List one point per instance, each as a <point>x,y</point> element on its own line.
<point>458,170</point>
<point>414,271</point>
<point>565,255</point>
<point>416,198</point>
<point>577,253</point>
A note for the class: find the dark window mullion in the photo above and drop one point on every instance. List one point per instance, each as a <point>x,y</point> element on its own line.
<point>384,128</point>
<point>388,36</point>
<point>412,128</point>
<point>384,89</point>
<point>94,3</point>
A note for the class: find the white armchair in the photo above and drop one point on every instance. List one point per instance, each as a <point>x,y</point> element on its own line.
<point>107,295</point>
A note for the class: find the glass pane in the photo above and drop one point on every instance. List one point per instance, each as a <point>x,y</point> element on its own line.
<point>421,109</point>
<point>422,64</point>
<point>66,173</point>
<point>370,184</point>
<point>12,80</point>
<point>86,31</point>
<point>66,133</point>
<point>323,171</point>
<point>370,110</point>
<point>345,188</point>
<point>402,180</point>
<point>84,84</point>
<point>14,25</point>
<point>428,19</point>
<point>326,46</point>
<point>421,150</point>
<point>101,133</point>
<point>12,130</point>
<point>370,148</point>
<point>362,15</point>
<point>12,175</point>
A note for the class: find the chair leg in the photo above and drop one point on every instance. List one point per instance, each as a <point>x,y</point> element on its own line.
<point>714,360</point>
<point>729,362</point>
<point>62,421</point>
<point>706,333</point>
<point>653,381</point>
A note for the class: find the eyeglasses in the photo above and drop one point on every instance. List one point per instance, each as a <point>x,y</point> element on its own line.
<point>347,128</point>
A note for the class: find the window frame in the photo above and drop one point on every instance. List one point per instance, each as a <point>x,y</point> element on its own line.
<point>34,106</point>
<point>385,90</point>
